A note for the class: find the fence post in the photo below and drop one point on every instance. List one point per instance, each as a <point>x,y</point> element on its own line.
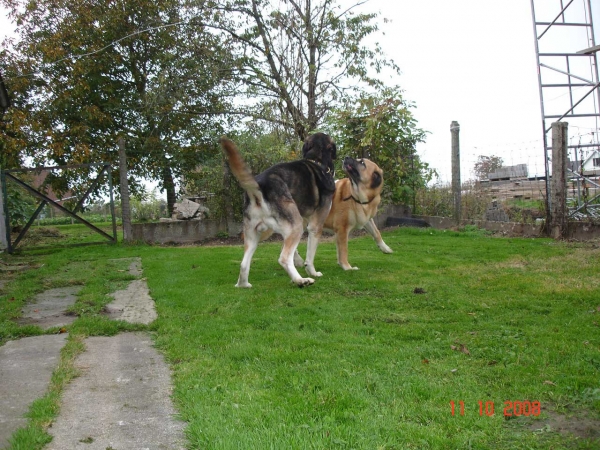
<point>558,185</point>
<point>456,185</point>
<point>124,188</point>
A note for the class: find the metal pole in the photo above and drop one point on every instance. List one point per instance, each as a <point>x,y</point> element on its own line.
<point>595,57</point>
<point>546,162</point>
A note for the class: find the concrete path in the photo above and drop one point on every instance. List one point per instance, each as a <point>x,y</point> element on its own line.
<point>121,401</point>
<point>26,367</point>
<point>133,305</point>
<point>48,309</point>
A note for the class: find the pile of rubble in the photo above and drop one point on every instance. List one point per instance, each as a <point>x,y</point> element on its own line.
<point>187,210</point>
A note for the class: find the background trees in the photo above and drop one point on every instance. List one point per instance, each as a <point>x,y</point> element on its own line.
<point>82,74</point>
<point>382,127</point>
<point>299,58</point>
<point>171,76</point>
<point>486,165</point>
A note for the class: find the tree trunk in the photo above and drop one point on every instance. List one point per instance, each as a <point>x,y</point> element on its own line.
<point>125,208</point>
<point>169,186</point>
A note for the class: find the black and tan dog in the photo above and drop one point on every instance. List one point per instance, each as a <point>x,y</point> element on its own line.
<point>284,199</point>
<point>354,205</point>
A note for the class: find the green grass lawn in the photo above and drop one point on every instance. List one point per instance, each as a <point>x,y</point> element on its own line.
<point>367,359</point>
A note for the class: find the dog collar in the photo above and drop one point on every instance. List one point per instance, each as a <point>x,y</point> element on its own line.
<point>323,168</point>
<point>358,201</point>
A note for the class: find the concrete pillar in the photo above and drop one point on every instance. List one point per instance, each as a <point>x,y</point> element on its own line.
<point>558,185</point>
<point>456,184</point>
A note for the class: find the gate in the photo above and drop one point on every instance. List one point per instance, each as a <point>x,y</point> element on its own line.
<point>7,176</point>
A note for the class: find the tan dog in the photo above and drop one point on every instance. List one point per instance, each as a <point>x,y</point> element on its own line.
<point>354,205</point>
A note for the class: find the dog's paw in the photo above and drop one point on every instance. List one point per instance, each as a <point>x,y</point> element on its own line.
<point>304,282</point>
<point>384,248</point>
<point>243,285</point>
<point>312,271</point>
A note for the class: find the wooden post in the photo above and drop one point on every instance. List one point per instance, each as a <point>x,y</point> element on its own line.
<point>558,184</point>
<point>456,184</point>
<point>124,188</point>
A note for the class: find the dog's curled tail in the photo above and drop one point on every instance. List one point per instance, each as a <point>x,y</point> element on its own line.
<point>241,171</point>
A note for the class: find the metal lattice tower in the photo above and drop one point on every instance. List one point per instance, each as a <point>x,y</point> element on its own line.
<point>567,62</point>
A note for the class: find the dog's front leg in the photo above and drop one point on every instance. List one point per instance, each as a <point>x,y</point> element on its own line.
<point>315,228</point>
<point>374,232</point>
<point>341,243</point>
<point>311,250</point>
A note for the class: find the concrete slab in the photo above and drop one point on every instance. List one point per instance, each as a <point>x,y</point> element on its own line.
<point>26,367</point>
<point>134,304</point>
<point>120,401</point>
<point>135,268</point>
<point>48,309</point>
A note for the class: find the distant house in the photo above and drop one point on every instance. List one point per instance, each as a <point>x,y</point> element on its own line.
<point>41,184</point>
<point>590,164</point>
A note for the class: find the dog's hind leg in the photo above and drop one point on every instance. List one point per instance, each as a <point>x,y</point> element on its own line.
<point>298,261</point>
<point>374,231</point>
<point>251,239</point>
<point>291,239</point>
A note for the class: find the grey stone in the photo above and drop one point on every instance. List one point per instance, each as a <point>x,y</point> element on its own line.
<point>186,209</point>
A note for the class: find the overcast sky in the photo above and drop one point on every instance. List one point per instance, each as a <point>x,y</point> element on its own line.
<point>472,61</point>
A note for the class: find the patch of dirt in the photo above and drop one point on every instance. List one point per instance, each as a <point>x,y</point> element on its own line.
<point>582,424</point>
<point>47,232</point>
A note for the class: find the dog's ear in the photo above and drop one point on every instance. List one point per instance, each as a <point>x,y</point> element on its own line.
<point>376,180</point>
<point>307,148</point>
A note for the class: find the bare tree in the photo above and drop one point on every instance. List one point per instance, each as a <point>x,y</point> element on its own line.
<point>486,165</point>
<point>297,58</point>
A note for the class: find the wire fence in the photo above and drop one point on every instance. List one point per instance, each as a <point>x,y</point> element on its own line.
<point>517,192</point>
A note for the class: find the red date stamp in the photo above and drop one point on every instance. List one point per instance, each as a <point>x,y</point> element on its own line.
<point>511,408</point>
